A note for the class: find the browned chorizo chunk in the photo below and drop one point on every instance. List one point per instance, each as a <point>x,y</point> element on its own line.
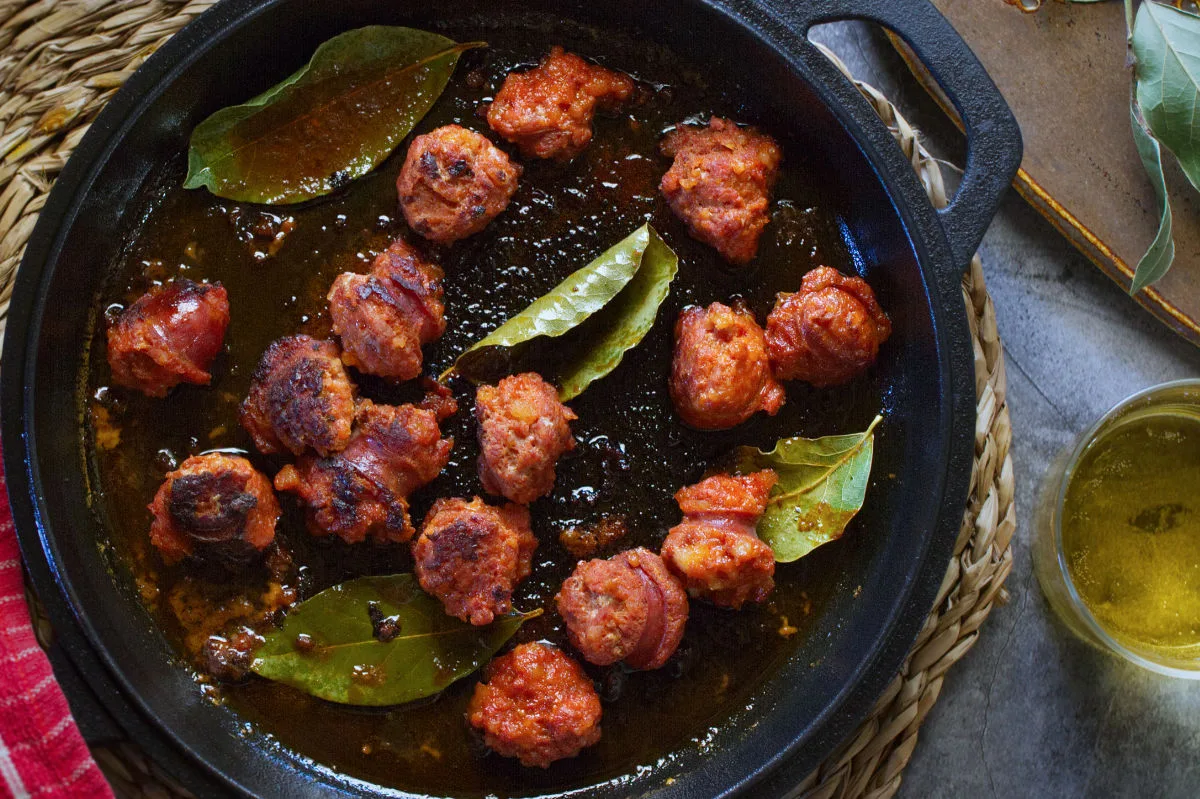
<point>362,491</point>
<point>170,335</point>
<point>628,608</point>
<point>721,375</point>
<point>218,505</point>
<point>471,556</point>
<point>547,112</point>
<point>453,183</point>
<point>586,539</point>
<point>720,184</point>
<point>300,398</point>
<point>537,705</point>
<point>828,332</point>
<point>715,549</point>
<point>523,429</point>
<point>385,317</point>
<point>227,657</point>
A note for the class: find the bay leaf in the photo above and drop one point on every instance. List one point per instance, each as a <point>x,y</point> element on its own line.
<point>1166,51</point>
<point>341,659</point>
<point>333,120</point>
<point>822,485</point>
<point>619,294</point>
<point>1161,253</point>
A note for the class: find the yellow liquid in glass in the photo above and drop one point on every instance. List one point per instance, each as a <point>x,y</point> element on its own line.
<point>1131,530</point>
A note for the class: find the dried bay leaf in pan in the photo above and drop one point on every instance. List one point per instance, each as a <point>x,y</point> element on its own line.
<point>377,641</point>
<point>332,121</point>
<point>616,297</point>
<point>822,485</point>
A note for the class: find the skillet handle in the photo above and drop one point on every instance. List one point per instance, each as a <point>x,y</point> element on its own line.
<point>993,137</point>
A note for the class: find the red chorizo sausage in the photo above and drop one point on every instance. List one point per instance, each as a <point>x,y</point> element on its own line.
<point>547,111</point>
<point>523,430</point>
<point>629,607</point>
<point>715,549</point>
<point>537,705</point>
<point>720,375</point>
<point>168,336</point>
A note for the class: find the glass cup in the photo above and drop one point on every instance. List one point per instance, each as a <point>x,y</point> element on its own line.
<point>1181,397</point>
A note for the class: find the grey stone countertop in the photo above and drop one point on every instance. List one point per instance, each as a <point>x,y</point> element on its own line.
<point>1031,711</point>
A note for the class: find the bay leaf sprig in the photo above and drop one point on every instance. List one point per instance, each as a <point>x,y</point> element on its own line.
<point>1164,43</point>
<point>622,289</point>
<point>330,645</point>
<point>822,485</point>
<point>330,122</point>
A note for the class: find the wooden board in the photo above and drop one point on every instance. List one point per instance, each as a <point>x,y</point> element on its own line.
<point>1063,70</point>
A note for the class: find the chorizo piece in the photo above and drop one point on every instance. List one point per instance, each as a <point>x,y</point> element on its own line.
<point>453,183</point>
<point>471,556</point>
<point>827,333</point>
<point>720,375</point>
<point>629,607</point>
<point>720,184</point>
<point>216,504</point>
<point>547,111</point>
<point>300,397</point>
<point>537,705</point>
<point>715,549</point>
<point>168,336</point>
<point>362,491</point>
<point>385,317</point>
<point>523,430</point>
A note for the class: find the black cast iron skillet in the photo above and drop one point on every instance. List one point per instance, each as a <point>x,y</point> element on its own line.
<point>241,46</point>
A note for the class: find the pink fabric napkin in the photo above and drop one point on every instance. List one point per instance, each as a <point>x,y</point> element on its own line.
<point>42,753</point>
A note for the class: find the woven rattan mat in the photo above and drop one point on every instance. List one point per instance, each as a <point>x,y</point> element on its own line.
<point>61,60</point>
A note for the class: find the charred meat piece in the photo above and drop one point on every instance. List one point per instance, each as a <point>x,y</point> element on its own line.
<point>214,505</point>
<point>828,332</point>
<point>585,540</point>
<point>362,491</point>
<point>537,705</point>
<point>547,112</point>
<point>300,398</point>
<point>715,549</point>
<point>227,658</point>
<point>453,182</point>
<point>629,607</point>
<point>721,375</point>
<point>523,430</point>
<point>170,335</point>
<point>720,184</point>
<point>471,556</point>
<point>385,317</point>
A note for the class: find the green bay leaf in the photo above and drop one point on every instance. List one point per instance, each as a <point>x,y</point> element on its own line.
<point>1161,253</point>
<point>822,485</point>
<point>617,295</point>
<point>1166,49</point>
<point>347,664</point>
<point>333,120</point>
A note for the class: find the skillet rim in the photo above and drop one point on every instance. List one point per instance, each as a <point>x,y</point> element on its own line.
<point>927,238</point>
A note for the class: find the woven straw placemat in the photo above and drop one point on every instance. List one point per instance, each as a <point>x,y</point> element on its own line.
<point>60,62</point>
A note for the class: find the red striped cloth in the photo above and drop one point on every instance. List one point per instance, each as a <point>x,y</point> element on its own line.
<point>42,753</point>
